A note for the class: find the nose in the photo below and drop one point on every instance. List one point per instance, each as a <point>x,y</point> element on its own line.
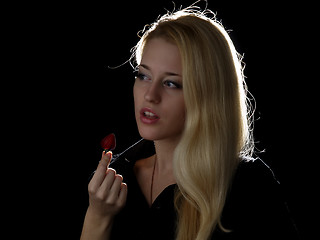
<point>153,93</point>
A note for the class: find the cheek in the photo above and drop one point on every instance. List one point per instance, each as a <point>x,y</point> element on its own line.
<point>138,98</point>
<point>178,113</point>
<point>182,107</point>
<point>182,112</point>
<point>136,95</point>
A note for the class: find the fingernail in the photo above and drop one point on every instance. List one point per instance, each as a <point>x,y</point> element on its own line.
<point>120,176</point>
<point>109,155</point>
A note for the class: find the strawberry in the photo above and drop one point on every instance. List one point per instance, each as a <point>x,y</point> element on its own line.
<point>108,143</point>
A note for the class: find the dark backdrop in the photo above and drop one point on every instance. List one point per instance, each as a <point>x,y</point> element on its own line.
<point>70,98</point>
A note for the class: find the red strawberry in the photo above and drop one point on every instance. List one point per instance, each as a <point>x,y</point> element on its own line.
<point>109,142</point>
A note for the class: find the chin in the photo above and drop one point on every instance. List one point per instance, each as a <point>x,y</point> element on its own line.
<point>148,134</point>
<point>151,133</point>
<point>158,134</point>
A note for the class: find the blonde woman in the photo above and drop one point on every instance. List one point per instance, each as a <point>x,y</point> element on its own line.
<point>192,175</point>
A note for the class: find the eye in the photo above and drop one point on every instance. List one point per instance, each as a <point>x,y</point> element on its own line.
<point>141,76</point>
<point>172,84</point>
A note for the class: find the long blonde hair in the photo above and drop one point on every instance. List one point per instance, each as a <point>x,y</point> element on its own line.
<point>217,127</point>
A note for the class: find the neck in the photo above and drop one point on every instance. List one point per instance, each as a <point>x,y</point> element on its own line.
<point>164,152</point>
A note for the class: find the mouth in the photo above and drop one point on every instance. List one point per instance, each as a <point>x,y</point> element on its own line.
<point>148,116</point>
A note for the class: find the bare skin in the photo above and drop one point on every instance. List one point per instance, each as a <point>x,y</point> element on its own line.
<point>144,169</point>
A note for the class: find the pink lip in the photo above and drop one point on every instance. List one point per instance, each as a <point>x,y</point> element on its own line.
<point>148,119</point>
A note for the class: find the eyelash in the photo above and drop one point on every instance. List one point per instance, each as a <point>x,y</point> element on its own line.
<point>176,85</point>
<point>143,77</point>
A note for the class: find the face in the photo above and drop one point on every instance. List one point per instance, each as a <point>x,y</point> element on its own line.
<point>158,95</point>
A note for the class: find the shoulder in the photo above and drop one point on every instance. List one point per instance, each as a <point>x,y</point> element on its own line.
<point>255,186</point>
<point>255,173</point>
<point>255,206</point>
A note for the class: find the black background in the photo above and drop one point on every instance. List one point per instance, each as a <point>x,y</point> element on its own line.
<point>65,98</point>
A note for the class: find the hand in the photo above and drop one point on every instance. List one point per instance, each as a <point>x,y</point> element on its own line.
<point>107,192</point>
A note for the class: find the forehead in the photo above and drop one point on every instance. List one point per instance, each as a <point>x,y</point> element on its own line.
<point>161,55</point>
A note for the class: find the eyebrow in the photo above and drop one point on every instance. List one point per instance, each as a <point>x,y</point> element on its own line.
<point>167,73</point>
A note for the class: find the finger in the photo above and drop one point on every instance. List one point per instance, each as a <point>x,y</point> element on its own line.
<point>100,173</point>
<point>123,195</point>
<point>108,180</point>
<point>105,159</point>
<point>115,189</point>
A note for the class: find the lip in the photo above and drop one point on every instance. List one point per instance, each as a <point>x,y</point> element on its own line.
<point>148,120</point>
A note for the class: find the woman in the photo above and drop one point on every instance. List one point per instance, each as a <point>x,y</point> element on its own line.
<point>191,177</point>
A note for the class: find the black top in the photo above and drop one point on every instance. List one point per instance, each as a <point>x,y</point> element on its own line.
<point>253,210</point>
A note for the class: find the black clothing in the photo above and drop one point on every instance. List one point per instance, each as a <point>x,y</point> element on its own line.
<point>253,209</point>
